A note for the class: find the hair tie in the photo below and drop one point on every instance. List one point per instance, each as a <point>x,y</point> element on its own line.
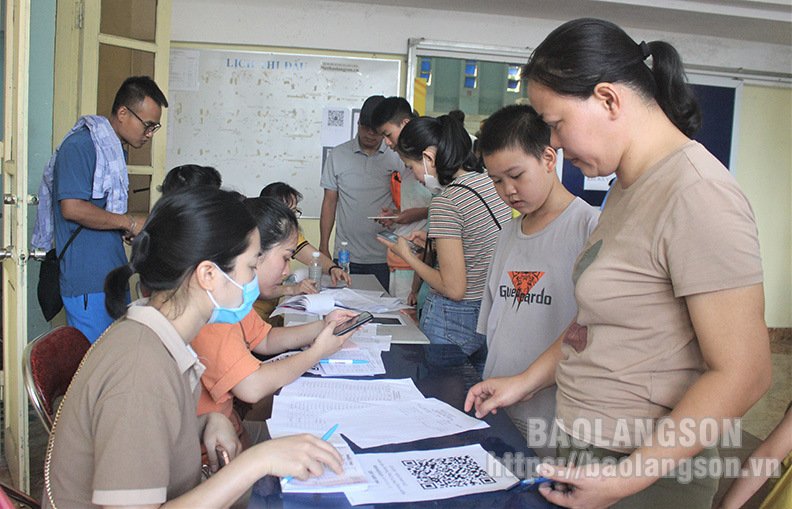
<point>645,51</point>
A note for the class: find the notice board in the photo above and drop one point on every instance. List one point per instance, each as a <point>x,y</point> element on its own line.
<point>258,116</point>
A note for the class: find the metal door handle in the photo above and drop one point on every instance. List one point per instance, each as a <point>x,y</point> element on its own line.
<point>38,254</point>
<point>6,253</point>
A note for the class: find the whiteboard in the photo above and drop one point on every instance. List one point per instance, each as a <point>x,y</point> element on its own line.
<point>257,116</point>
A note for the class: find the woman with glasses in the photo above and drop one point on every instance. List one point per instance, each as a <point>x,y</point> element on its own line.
<point>302,253</point>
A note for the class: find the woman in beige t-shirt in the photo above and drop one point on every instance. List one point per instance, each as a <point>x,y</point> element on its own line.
<point>670,327</point>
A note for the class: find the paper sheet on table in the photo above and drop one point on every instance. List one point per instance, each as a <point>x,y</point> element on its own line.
<point>307,415</point>
<point>316,304</point>
<point>364,300</point>
<point>372,341</point>
<point>373,365</point>
<point>330,482</point>
<point>353,390</point>
<point>430,475</point>
<point>404,421</point>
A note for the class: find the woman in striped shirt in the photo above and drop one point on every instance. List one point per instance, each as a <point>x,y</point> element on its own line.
<point>465,216</point>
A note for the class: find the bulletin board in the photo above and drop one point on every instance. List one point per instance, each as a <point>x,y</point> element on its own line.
<point>262,116</point>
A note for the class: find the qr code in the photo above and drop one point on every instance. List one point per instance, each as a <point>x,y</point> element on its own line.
<point>335,118</point>
<point>452,472</point>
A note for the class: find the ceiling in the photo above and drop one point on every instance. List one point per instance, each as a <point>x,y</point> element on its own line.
<point>768,21</point>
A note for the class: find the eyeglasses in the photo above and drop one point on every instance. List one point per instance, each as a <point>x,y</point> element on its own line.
<point>151,127</point>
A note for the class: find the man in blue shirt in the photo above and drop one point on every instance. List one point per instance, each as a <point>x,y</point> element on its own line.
<point>98,248</point>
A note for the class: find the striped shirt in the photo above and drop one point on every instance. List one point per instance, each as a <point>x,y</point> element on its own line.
<point>458,213</point>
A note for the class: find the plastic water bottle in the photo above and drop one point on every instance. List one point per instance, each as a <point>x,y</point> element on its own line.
<point>343,257</point>
<point>315,270</point>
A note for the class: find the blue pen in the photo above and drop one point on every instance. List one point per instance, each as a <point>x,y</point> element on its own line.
<point>530,484</point>
<point>342,361</point>
<point>324,437</point>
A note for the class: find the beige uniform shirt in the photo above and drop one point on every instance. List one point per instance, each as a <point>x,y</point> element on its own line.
<point>128,432</point>
<point>683,228</point>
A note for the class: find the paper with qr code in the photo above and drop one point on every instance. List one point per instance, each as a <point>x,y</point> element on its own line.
<point>414,476</point>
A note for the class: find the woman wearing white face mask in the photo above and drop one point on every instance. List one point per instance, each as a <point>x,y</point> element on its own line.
<point>465,217</point>
<point>127,433</point>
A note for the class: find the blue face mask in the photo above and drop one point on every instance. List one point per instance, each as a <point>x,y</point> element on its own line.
<point>250,293</point>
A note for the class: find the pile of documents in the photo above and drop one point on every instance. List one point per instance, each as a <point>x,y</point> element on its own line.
<point>360,356</point>
<point>372,413</point>
<point>346,298</point>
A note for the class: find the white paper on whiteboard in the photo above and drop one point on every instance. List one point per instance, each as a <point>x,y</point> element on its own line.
<point>597,183</point>
<point>336,125</point>
<point>183,70</point>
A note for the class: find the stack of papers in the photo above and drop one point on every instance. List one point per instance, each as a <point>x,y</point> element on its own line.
<point>346,298</point>
<point>369,412</point>
<point>377,412</point>
<point>330,482</point>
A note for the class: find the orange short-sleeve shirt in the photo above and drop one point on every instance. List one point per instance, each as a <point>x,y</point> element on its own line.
<point>225,351</point>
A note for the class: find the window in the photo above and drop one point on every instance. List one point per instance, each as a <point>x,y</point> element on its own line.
<point>513,79</point>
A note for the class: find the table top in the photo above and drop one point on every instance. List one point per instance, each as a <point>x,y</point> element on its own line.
<point>407,333</point>
<point>501,439</point>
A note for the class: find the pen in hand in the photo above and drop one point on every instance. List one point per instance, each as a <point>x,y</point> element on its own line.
<point>530,483</point>
<point>324,437</point>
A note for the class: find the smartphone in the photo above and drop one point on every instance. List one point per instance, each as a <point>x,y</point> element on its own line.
<point>353,323</point>
<point>222,457</point>
<point>392,237</point>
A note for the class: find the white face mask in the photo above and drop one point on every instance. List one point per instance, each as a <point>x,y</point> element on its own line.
<point>430,181</point>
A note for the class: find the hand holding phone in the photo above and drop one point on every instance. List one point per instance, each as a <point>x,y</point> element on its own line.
<point>352,323</point>
<point>392,237</point>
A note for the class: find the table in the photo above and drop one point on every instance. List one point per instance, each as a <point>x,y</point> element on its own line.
<point>407,333</point>
<point>449,384</point>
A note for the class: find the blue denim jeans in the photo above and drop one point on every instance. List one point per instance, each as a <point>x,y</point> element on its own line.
<point>445,321</point>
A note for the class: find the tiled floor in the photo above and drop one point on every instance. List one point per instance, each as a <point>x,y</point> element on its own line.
<point>757,423</point>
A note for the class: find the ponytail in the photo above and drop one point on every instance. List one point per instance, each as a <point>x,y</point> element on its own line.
<point>448,135</point>
<point>579,54</point>
<point>115,289</point>
<point>672,92</point>
<point>183,229</point>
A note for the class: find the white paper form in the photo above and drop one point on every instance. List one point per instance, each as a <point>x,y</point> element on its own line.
<point>330,482</point>
<point>372,342</point>
<point>353,390</point>
<point>373,365</point>
<point>404,421</point>
<point>430,475</point>
<point>307,415</point>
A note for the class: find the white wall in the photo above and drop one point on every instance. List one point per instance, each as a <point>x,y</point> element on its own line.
<point>357,27</point>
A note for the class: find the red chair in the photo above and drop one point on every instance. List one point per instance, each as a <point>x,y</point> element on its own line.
<point>9,494</point>
<point>49,364</point>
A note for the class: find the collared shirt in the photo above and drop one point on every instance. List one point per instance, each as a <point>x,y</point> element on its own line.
<point>363,184</point>
<point>128,432</point>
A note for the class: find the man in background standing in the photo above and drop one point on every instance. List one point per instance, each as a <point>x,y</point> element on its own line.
<point>356,179</point>
<point>83,198</point>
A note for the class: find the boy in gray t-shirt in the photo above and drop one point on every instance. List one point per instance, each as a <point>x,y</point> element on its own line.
<point>529,298</point>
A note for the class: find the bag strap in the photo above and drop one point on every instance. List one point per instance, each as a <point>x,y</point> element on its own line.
<point>482,201</point>
<point>78,230</point>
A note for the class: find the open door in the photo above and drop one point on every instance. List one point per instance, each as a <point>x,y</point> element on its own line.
<point>98,44</point>
<point>15,242</point>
